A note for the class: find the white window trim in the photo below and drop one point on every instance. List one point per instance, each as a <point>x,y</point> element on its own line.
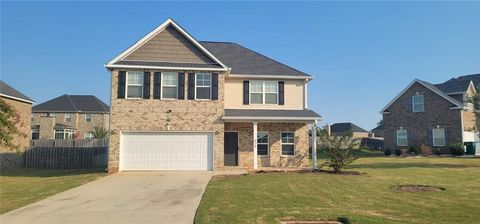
<point>126,86</point>
<point>281,143</point>
<point>263,92</point>
<point>86,118</point>
<point>70,117</point>
<point>406,137</point>
<point>433,137</point>
<point>413,104</point>
<point>162,85</point>
<point>52,114</point>
<point>211,87</point>
<point>65,132</point>
<point>88,134</point>
<point>268,143</point>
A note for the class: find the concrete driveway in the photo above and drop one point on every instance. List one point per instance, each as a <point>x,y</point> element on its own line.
<point>131,197</point>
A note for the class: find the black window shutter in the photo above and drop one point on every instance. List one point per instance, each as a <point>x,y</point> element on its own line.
<point>157,83</point>
<point>146,85</point>
<point>246,91</point>
<point>122,76</point>
<point>181,86</point>
<point>191,86</point>
<point>214,86</point>
<point>281,93</point>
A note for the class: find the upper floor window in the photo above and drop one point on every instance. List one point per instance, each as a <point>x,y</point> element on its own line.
<point>402,137</point>
<point>134,84</point>
<point>288,143</point>
<point>262,143</point>
<point>88,118</point>
<point>203,86</point>
<point>68,117</point>
<point>417,103</point>
<point>169,85</point>
<point>438,136</point>
<point>51,114</point>
<point>263,92</point>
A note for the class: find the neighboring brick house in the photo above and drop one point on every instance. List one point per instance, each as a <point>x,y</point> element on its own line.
<point>377,132</point>
<point>339,129</point>
<point>432,115</point>
<point>9,158</point>
<point>181,104</point>
<point>68,117</point>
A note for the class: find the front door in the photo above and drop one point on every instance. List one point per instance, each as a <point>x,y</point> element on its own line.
<point>230,149</point>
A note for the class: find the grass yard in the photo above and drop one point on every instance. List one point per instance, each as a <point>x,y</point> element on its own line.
<point>24,186</point>
<point>367,198</point>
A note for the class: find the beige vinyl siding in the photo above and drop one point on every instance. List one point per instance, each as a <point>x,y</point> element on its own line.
<point>294,95</point>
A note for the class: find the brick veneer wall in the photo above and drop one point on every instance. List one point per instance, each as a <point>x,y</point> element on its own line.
<point>149,115</point>
<point>77,121</point>
<point>274,159</point>
<point>419,125</point>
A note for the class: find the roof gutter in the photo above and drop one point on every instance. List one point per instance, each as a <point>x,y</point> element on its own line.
<point>16,98</point>
<point>271,118</point>
<point>270,76</point>
<point>111,66</point>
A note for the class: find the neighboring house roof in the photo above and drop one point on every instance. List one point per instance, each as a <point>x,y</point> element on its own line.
<point>248,62</point>
<point>249,114</point>
<point>11,93</point>
<point>347,126</point>
<point>378,128</point>
<point>475,78</point>
<point>73,103</point>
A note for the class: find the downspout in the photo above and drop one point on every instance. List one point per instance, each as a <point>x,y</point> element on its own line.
<point>305,94</point>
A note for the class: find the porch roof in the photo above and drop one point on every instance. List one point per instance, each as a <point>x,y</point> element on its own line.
<point>270,115</point>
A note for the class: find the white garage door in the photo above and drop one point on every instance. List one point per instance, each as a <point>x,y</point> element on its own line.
<point>166,151</point>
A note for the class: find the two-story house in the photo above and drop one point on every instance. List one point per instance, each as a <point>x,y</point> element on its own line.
<point>69,117</point>
<point>182,104</point>
<point>432,115</point>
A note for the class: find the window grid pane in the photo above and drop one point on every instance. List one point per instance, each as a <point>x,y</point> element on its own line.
<point>402,139</point>
<point>417,103</point>
<point>438,137</point>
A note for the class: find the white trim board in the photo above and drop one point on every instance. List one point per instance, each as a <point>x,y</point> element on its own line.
<point>16,98</point>
<point>308,78</point>
<point>443,95</point>
<point>157,30</point>
<point>166,68</point>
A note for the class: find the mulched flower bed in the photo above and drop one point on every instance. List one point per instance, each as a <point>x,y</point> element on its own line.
<point>417,188</point>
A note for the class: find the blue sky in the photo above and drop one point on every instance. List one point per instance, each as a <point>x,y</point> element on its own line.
<point>361,53</point>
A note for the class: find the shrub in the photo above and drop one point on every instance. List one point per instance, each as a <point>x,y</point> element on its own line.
<point>398,152</point>
<point>404,152</point>
<point>425,150</point>
<point>338,150</point>
<point>414,150</point>
<point>437,151</point>
<point>456,149</point>
<point>387,152</point>
<point>343,219</point>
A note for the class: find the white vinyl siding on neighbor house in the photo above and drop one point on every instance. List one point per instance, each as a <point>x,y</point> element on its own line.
<point>88,118</point>
<point>288,143</point>
<point>438,136</point>
<point>203,86</point>
<point>169,85</point>
<point>262,144</point>
<point>134,85</point>
<point>417,103</point>
<point>402,137</point>
<point>263,92</point>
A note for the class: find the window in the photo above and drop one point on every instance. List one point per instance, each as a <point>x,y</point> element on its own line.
<point>35,134</point>
<point>402,137</point>
<point>32,118</point>
<point>134,84</point>
<point>68,117</point>
<point>88,118</point>
<point>264,92</point>
<point>89,135</point>
<point>169,85</point>
<point>288,143</point>
<point>417,103</point>
<point>64,134</point>
<point>203,86</point>
<point>438,136</point>
<point>262,143</point>
<point>51,114</point>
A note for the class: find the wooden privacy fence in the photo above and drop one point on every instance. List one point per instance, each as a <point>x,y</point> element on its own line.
<point>67,154</point>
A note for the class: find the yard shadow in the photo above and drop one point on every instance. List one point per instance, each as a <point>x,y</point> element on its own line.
<point>410,165</point>
<point>31,172</point>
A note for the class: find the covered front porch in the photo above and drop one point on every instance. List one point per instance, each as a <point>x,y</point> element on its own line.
<point>256,139</point>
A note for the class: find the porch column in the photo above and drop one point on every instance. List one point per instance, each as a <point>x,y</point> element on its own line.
<point>314,146</point>
<point>255,149</point>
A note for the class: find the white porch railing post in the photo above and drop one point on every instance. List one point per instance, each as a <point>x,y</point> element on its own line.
<point>255,149</point>
<point>314,146</point>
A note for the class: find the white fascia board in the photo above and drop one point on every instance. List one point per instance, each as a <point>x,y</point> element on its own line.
<point>165,68</point>
<point>269,76</point>
<point>155,32</point>
<point>16,98</point>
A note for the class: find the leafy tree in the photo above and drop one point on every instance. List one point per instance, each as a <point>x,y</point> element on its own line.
<point>9,119</point>
<point>338,149</point>
<point>100,133</point>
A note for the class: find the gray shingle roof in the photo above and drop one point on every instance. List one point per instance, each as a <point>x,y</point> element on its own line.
<point>247,62</point>
<point>343,127</point>
<point>459,84</point>
<point>433,87</point>
<point>9,91</point>
<point>168,64</point>
<point>270,113</point>
<point>73,103</point>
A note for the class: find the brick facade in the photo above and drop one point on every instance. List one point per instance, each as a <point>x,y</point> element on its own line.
<point>77,122</point>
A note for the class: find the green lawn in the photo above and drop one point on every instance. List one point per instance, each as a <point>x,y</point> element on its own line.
<point>367,198</point>
<point>24,186</point>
